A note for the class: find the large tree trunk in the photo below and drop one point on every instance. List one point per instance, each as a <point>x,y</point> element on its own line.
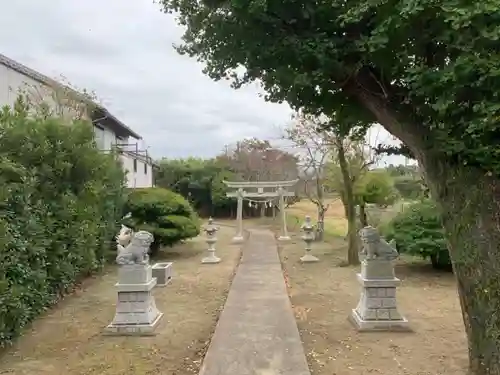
<point>470,202</point>
<point>352,235</point>
<point>350,206</point>
<point>320,226</point>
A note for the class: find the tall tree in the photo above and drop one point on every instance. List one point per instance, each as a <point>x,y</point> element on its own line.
<point>314,148</point>
<point>257,160</point>
<point>347,180</point>
<point>253,159</point>
<point>428,71</point>
<point>348,164</point>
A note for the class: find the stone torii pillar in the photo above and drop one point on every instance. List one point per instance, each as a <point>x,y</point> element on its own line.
<point>238,194</point>
<point>284,233</point>
<point>238,238</point>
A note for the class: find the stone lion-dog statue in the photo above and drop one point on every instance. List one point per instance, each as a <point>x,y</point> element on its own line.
<point>136,252</point>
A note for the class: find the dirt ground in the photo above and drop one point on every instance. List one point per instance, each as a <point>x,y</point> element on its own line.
<point>323,295</point>
<point>69,340</point>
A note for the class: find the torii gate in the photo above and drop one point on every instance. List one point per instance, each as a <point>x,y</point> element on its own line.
<point>279,190</point>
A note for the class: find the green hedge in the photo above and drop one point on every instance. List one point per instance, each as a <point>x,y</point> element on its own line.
<point>418,231</point>
<point>167,215</point>
<point>60,204</point>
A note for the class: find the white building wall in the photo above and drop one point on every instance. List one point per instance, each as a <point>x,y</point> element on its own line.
<point>106,138</point>
<point>139,177</point>
<point>12,82</point>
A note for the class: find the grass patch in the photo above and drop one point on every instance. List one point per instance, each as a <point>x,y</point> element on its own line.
<point>335,221</point>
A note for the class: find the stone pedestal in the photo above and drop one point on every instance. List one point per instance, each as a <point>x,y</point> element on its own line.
<point>136,312</point>
<point>162,272</point>
<point>238,239</point>
<point>309,258</point>
<point>377,307</point>
<point>211,259</point>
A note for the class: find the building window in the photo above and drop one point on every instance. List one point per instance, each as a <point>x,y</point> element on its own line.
<point>99,135</point>
<point>135,165</point>
<point>145,168</point>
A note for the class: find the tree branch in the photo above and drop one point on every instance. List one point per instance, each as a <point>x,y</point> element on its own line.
<point>364,88</point>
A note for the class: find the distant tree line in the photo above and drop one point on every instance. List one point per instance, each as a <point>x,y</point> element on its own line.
<point>200,180</point>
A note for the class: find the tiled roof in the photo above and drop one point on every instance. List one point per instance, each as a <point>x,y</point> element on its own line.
<point>43,79</point>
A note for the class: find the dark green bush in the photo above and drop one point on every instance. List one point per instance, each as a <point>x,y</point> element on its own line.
<point>167,215</point>
<point>60,205</point>
<point>418,231</point>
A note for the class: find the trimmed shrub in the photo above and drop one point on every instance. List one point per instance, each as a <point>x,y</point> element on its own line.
<point>376,187</point>
<point>167,215</point>
<point>418,231</point>
<point>60,204</point>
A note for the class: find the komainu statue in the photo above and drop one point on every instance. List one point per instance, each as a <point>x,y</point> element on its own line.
<point>123,238</point>
<point>375,247</point>
<point>136,252</point>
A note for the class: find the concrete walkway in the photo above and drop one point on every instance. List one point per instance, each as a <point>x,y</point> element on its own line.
<point>257,333</point>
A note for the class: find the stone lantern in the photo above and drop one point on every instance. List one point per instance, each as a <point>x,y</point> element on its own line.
<point>211,231</point>
<point>308,237</point>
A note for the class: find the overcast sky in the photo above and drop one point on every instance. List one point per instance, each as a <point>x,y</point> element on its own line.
<point>122,49</point>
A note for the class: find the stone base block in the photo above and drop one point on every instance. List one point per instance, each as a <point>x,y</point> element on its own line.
<point>308,258</point>
<point>163,273</point>
<point>134,274</point>
<point>361,325</point>
<point>374,269</point>
<point>387,282</point>
<point>131,288</point>
<point>136,310</point>
<point>238,239</point>
<point>284,238</point>
<point>211,259</point>
<point>133,329</point>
